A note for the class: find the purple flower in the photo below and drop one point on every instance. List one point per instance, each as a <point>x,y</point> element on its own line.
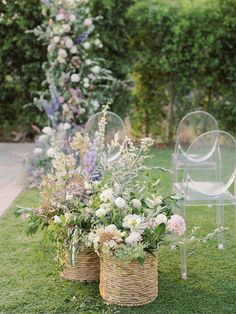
<point>82,37</point>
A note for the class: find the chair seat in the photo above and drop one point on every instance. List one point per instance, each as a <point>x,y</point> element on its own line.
<point>194,197</point>
<point>180,163</point>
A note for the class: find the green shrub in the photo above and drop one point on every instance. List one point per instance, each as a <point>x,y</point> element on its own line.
<point>21,57</point>
<point>114,28</point>
<point>184,58</point>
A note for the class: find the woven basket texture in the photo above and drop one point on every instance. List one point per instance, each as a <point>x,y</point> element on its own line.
<point>86,267</point>
<point>128,285</point>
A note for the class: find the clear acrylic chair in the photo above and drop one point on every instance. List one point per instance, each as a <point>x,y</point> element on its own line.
<point>112,128</point>
<point>203,186</point>
<point>190,127</point>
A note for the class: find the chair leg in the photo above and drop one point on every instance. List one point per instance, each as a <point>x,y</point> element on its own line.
<point>220,224</point>
<point>183,258</point>
<point>183,249</point>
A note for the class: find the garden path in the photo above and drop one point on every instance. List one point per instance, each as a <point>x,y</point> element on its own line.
<point>12,174</point>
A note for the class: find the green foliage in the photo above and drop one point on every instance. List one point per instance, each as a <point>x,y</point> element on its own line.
<point>20,63</point>
<point>183,59</point>
<point>114,28</point>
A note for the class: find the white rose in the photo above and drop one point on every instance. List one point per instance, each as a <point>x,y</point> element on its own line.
<point>66,28</point>
<point>161,219</point>
<point>86,80</point>
<point>60,17</point>
<point>72,18</point>
<point>65,107</point>
<point>57,219</point>
<point>86,45</point>
<point>88,61</point>
<point>62,53</point>
<point>69,43</point>
<point>75,78</point>
<point>74,50</point>
<point>86,85</point>
<point>47,130</point>
<point>51,152</point>
<point>66,126</point>
<point>56,39</point>
<point>88,22</point>
<point>101,212</point>
<point>136,203</point>
<point>38,151</point>
<point>120,202</point>
<point>106,195</point>
<point>95,69</point>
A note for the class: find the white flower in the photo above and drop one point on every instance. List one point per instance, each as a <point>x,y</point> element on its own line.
<point>38,151</point>
<point>47,130</point>
<point>42,138</point>
<point>49,48</point>
<point>60,17</point>
<point>62,53</point>
<point>106,195</point>
<point>65,107</point>
<point>56,39</point>
<point>158,200</point>
<point>98,43</point>
<point>111,228</point>
<point>161,219</point>
<point>120,202</point>
<point>51,152</point>
<point>136,203</point>
<point>75,78</point>
<point>66,126</point>
<point>95,104</point>
<point>72,18</point>
<point>88,62</point>
<point>66,28</point>
<point>95,69</point>
<point>101,212</point>
<point>132,221</point>
<point>86,80</point>
<point>88,22</point>
<point>69,42</point>
<point>74,50</point>
<point>57,219</point>
<point>86,85</point>
<point>86,45</point>
<point>133,238</point>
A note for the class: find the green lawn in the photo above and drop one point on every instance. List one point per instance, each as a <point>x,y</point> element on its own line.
<point>29,281</point>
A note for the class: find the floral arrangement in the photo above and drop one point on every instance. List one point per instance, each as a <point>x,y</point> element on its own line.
<point>48,142</point>
<point>77,82</point>
<point>132,219</point>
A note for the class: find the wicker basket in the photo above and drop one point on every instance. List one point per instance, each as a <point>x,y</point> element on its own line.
<point>128,285</point>
<point>86,267</point>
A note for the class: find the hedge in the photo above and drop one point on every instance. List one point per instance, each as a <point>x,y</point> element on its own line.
<point>21,57</point>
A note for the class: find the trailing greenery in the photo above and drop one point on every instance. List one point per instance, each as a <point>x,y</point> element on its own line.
<point>30,282</point>
<point>21,57</point>
<point>184,58</point>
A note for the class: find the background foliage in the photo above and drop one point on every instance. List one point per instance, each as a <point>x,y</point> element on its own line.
<point>178,54</point>
<point>21,57</point>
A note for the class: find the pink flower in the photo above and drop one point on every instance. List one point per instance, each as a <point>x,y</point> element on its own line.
<point>88,22</point>
<point>39,211</point>
<point>61,99</point>
<point>25,216</point>
<point>176,224</point>
<point>133,238</point>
